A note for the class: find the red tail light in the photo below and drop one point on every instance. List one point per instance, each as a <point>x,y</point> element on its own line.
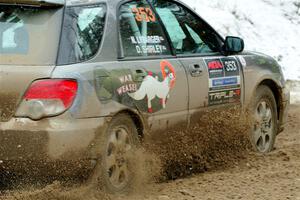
<point>46,98</point>
<point>64,90</point>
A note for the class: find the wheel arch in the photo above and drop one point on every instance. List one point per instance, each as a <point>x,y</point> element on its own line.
<point>137,120</point>
<point>277,92</point>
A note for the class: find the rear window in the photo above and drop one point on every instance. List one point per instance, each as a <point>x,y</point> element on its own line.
<point>82,33</point>
<point>29,36</point>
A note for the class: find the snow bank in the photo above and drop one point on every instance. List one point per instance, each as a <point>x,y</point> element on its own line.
<point>294,87</point>
<point>268,26</point>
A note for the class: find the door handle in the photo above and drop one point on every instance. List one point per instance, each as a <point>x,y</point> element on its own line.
<point>196,70</point>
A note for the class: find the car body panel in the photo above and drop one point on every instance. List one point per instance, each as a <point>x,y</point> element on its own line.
<point>59,138</point>
<point>18,69</point>
<point>108,84</point>
<point>213,86</point>
<point>14,81</point>
<point>169,103</point>
<point>259,68</point>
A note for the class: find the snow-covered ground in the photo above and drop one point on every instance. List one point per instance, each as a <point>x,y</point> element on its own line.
<point>268,26</point>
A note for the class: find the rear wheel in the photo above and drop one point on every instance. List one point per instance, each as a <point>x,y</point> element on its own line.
<point>264,126</point>
<point>116,170</point>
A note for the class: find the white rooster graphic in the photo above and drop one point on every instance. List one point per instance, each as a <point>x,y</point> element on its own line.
<point>151,87</point>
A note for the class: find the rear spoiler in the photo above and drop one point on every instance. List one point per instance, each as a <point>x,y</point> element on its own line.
<point>38,3</point>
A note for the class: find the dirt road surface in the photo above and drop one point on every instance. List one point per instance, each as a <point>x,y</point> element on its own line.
<point>275,176</point>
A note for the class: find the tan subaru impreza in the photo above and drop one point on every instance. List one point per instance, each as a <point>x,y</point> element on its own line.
<point>82,81</point>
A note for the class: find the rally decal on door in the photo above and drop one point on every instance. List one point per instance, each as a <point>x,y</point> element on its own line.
<point>224,80</point>
<point>152,87</point>
<point>148,93</point>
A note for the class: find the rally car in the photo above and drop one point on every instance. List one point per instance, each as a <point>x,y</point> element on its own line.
<point>83,81</point>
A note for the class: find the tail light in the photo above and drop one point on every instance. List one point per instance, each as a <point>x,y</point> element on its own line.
<point>45,98</point>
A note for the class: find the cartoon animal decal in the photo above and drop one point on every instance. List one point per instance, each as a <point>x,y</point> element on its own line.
<point>151,87</point>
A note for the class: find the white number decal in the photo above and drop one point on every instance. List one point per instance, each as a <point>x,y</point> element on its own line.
<point>230,66</point>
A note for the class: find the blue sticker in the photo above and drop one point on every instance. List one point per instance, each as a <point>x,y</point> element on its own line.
<point>225,81</point>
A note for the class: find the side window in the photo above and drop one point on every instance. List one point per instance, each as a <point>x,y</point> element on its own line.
<point>82,33</point>
<point>140,31</point>
<point>189,34</point>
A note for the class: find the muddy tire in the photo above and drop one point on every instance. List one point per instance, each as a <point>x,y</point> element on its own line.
<point>264,120</point>
<point>115,171</point>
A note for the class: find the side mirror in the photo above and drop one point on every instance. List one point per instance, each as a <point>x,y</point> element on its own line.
<point>233,45</point>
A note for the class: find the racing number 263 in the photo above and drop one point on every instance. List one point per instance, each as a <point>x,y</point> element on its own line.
<point>144,14</point>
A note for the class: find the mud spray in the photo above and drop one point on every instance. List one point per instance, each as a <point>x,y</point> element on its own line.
<point>165,155</point>
<point>217,139</point>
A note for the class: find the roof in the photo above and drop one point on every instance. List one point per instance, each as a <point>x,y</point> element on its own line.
<point>115,2</point>
<point>78,2</point>
<point>34,2</point>
<point>56,2</point>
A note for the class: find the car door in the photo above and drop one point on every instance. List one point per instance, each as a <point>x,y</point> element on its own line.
<point>155,82</point>
<point>214,80</point>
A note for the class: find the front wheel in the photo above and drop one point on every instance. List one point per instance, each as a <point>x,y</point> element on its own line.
<point>264,126</point>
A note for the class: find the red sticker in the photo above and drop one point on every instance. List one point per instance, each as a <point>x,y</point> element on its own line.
<point>166,64</point>
<point>238,92</point>
<point>215,65</point>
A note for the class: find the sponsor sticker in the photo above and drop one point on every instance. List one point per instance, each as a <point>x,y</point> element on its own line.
<point>223,97</point>
<point>214,65</point>
<point>215,68</point>
<point>224,80</point>
<point>224,83</point>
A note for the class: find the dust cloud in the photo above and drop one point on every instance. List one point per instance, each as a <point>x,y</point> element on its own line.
<point>217,140</point>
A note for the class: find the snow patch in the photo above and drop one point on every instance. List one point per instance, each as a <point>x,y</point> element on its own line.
<point>294,87</point>
<point>268,26</point>
<point>295,97</point>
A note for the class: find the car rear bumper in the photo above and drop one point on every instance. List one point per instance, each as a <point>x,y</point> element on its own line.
<point>49,140</point>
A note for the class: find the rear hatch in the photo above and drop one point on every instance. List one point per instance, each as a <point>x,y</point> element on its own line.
<point>29,40</point>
